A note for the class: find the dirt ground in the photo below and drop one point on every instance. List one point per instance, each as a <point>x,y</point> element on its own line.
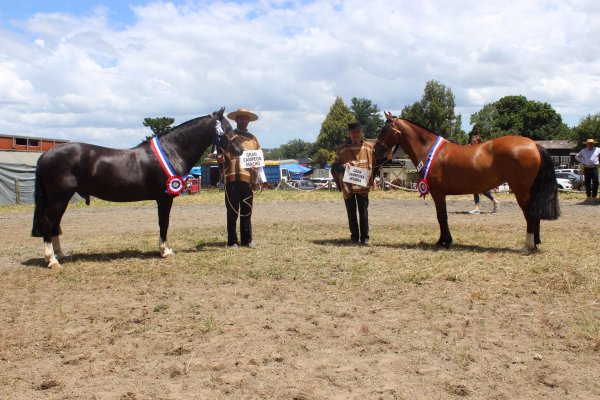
<point>304,316</point>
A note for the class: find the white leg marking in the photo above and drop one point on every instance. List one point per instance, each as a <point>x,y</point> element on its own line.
<point>529,243</point>
<point>49,255</point>
<point>56,244</point>
<point>163,247</point>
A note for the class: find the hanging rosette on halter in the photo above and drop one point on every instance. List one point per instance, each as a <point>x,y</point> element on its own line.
<point>175,183</point>
<point>422,184</point>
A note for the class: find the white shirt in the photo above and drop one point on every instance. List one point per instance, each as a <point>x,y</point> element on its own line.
<point>589,158</point>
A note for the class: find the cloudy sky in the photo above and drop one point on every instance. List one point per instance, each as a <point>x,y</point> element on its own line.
<point>92,70</point>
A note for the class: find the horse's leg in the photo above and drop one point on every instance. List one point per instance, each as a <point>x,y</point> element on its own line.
<point>530,236</point>
<point>56,232</point>
<point>164,210</point>
<point>54,213</point>
<point>442,217</point>
<point>536,235</point>
<point>533,226</point>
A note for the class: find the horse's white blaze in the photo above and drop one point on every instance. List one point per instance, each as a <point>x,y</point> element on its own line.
<point>56,246</point>
<point>163,247</point>
<point>49,255</point>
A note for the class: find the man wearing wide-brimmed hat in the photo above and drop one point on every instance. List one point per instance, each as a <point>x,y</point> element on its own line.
<point>589,158</point>
<point>239,182</point>
<point>355,152</point>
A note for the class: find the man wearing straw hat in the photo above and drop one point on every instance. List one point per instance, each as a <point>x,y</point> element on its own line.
<point>239,181</point>
<point>589,157</point>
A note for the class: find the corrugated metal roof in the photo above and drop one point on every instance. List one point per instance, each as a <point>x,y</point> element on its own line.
<point>35,138</point>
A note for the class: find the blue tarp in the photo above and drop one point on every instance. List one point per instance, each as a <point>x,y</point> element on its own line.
<point>196,171</point>
<point>295,170</point>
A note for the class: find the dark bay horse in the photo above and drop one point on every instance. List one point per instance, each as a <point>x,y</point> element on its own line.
<point>121,175</point>
<point>457,169</point>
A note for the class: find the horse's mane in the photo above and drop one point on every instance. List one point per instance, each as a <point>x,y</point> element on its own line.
<point>182,125</point>
<point>419,125</point>
<point>176,128</point>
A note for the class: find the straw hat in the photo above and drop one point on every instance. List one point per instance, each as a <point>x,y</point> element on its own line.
<point>590,141</point>
<point>242,111</point>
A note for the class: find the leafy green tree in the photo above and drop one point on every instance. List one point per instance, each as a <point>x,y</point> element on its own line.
<point>516,115</point>
<point>436,112</point>
<point>272,154</point>
<point>158,125</point>
<point>587,128</point>
<point>322,157</point>
<point>369,115</point>
<point>296,148</point>
<point>335,126</point>
<point>483,122</point>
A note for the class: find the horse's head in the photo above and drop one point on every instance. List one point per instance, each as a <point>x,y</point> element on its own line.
<point>387,139</point>
<point>226,140</point>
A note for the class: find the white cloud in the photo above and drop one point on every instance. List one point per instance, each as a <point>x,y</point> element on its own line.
<point>81,78</point>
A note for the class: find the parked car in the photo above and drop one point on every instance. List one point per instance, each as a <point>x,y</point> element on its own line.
<point>564,184</point>
<point>302,184</point>
<point>576,180</point>
<point>569,170</point>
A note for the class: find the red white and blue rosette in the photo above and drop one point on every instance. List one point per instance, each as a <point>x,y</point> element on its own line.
<point>422,187</point>
<point>175,185</point>
<point>422,184</point>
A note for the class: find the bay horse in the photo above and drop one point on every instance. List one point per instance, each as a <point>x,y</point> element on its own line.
<point>456,169</point>
<point>122,175</point>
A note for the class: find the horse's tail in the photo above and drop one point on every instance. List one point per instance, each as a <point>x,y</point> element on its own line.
<point>544,191</point>
<point>41,203</point>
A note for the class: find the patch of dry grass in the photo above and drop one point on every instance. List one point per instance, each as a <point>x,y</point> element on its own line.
<point>306,313</point>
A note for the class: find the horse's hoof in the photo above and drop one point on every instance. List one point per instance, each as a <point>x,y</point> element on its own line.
<point>527,251</point>
<point>166,253</point>
<point>54,264</point>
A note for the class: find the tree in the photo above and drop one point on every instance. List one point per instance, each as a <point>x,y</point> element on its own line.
<point>483,122</point>
<point>369,115</point>
<point>158,125</point>
<point>322,157</point>
<point>296,148</point>
<point>587,128</point>
<point>435,111</point>
<point>334,127</point>
<point>515,115</point>
<point>272,154</point>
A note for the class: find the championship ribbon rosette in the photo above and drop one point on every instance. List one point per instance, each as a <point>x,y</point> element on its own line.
<point>175,183</point>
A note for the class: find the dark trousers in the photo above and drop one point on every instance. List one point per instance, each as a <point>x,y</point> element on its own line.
<point>360,202</point>
<point>487,194</point>
<point>591,181</point>
<point>238,200</point>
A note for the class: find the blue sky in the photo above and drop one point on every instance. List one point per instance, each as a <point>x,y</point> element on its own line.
<point>93,70</point>
<point>119,11</point>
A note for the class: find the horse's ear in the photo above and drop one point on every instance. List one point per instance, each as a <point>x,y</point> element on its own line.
<point>388,115</point>
<point>219,114</point>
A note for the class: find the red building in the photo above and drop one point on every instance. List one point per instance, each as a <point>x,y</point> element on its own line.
<point>24,143</point>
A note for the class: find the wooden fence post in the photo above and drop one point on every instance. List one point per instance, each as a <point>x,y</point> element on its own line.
<point>17,191</point>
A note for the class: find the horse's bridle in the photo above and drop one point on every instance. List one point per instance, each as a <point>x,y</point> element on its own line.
<point>219,134</point>
<point>382,142</point>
